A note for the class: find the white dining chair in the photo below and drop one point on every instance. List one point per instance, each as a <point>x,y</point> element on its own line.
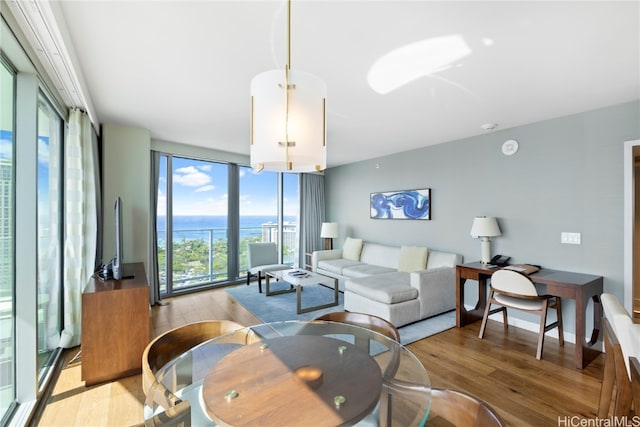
<point>262,258</point>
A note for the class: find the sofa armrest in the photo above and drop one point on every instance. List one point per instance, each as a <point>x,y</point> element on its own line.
<point>318,256</point>
<point>436,289</point>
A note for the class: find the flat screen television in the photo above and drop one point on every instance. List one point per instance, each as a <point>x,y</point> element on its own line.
<point>117,259</point>
<point>116,269</point>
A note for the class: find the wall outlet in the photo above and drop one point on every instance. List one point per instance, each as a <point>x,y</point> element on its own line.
<point>570,238</point>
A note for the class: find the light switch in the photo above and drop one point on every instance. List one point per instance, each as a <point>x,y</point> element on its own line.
<point>570,238</point>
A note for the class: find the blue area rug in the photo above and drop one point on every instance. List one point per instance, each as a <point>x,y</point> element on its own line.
<point>281,307</point>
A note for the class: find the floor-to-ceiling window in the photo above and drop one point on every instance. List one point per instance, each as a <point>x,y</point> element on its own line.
<point>49,230</point>
<point>7,214</point>
<point>194,228</point>
<point>192,222</point>
<point>258,210</point>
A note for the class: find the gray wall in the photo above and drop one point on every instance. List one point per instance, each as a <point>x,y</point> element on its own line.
<point>126,173</point>
<point>566,176</point>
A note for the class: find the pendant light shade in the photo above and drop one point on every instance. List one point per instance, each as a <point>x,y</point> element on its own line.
<point>301,122</point>
<point>288,118</point>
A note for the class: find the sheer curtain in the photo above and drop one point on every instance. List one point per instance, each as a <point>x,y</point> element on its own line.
<point>311,212</point>
<point>81,224</point>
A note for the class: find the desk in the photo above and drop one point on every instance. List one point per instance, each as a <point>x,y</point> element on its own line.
<point>252,377</point>
<point>577,286</point>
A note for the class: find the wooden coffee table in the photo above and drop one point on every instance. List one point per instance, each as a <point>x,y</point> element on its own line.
<point>298,281</point>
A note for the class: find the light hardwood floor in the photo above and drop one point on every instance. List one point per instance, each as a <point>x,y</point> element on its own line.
<point>500,369</point>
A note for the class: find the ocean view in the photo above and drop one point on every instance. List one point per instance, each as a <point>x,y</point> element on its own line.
<point>198,226</point>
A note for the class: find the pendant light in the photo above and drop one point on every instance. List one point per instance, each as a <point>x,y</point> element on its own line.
<point>288,126</point>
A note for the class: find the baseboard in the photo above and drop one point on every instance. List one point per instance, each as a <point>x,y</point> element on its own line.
<point>529,326</point>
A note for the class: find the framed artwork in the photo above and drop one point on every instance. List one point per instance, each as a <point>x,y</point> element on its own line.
<point>406,204</point>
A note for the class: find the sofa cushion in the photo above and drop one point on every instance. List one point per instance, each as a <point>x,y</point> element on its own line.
<point>377,254</point>
<point>387,288</point>
<point>412,258</point>
<point>442,259</point>
<point>362,270</point>
<point>336,265</point>
<point>352,248</point>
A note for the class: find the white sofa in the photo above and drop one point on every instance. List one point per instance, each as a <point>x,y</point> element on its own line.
<point>401,284</point>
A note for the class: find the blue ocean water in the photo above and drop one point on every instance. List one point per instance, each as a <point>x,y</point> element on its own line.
<point>200,226</point>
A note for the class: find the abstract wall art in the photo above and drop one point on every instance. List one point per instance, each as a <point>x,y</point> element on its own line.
<point>406,204</point>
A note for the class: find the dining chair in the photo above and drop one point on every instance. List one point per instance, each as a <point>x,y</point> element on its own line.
<point>383,414</point>
<point>262,258</point>
<point>634,364</point>
<point>368,321</point>
<point>620,344</point>
<point>174,342</point>
<point>462,409</point>
<point>511,289</point>
<point>177,413</point>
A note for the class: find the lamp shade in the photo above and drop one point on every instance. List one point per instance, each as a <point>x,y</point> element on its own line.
<point>329,230</point>
<point>484,226</point>
<point>288,126</point>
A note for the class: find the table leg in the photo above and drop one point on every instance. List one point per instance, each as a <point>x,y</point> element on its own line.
<point>585,352</point>
<point>268,292</point>
<point>301,310</point>
<point>464,316</point>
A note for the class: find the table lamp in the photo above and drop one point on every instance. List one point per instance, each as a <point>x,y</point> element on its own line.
<point>329,231</point>
<point>485,227</point>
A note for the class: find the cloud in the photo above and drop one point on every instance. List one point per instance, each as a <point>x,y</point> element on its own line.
<point>6,149</point>
<point>191,177</point>
<point>43,151</point>
<point>206,188</point>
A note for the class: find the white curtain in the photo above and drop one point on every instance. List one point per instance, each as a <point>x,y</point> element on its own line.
<point>81,221</point>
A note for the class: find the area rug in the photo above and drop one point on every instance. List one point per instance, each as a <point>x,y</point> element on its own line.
<point>281,307</point>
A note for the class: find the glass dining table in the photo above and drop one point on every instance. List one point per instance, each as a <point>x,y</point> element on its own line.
<point>292,373</point>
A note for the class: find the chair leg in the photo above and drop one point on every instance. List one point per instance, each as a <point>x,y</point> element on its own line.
<point>505,320</point>
<point>259,282</point>
<point>486,315</point>
<point>543,327</point>
<point>559,317</point>
<point>248,278</point>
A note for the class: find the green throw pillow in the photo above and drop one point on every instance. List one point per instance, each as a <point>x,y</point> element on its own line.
<point>412,258</point>
<point>351,249</point>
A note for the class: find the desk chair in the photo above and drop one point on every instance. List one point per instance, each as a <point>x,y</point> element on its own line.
<point>510,289</point>
<point>262,258</point>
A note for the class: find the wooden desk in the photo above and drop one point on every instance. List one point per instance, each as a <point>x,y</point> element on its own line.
<point>115,326</point>
<point>577,286</point>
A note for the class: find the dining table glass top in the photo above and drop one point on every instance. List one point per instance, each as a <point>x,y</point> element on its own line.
<point>293,373</point>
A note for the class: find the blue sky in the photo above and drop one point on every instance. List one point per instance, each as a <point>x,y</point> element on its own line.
<point>200,188</point>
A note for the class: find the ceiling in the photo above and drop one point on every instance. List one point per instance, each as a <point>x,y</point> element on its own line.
<point>182,69</point>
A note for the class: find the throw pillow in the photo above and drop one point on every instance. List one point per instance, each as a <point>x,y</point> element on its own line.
<point>412,258</point>
<point>351,249</point>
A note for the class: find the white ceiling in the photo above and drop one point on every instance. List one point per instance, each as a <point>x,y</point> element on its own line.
<point>182,69</point>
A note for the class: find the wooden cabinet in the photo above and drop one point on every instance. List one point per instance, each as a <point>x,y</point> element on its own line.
<point>115,326</point>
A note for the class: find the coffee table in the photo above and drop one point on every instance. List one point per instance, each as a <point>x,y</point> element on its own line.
<point>298,278</point>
